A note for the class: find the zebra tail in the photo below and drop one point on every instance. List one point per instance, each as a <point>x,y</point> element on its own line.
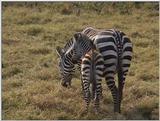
<point>120,82</point>
<point>93,89</point>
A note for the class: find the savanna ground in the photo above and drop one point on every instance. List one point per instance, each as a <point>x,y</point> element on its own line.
<point>30,78</point>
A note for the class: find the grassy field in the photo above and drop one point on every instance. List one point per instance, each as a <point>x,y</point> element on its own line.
<point>30,80</point>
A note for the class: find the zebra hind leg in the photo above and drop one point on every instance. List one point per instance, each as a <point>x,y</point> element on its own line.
<point>124,64</point>
<point>114,92</point>
<point>96,103</point>
<point>121,82</point>
<point>87,95</point>
<point>87,101</point>
<point>98,96</point>
<point>101,94</point>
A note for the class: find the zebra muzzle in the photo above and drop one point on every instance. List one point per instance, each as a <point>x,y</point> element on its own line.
<point>64,84</point>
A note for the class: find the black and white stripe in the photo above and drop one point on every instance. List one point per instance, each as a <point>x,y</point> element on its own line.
<point>116,49</point>
<point>72,54</point>
<point>91,73</point>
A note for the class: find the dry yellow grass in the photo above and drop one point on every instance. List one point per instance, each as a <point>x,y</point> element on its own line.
<point>30,80</point>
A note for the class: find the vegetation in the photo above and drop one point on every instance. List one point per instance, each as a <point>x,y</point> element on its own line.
<point>30,79</point>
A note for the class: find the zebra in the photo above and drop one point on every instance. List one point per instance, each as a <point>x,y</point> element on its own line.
<point>92,66</point>
<point>68,58</point>
<point>116,49</point>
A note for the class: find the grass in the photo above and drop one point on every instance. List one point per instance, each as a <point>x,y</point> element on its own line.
<point>30,78</point>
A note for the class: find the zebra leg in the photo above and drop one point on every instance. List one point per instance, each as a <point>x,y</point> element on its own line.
<point>124,64</point>
<point>109,77</point>
<point>96,103</point>
<point>121,81</point>
<point>86,93</point>
<point>87,100</point>
<point>98,94</point>
<point>101,94</point>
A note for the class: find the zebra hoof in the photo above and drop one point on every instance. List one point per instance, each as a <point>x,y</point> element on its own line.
<point>96,110</point>
<point>85,112</point>
<point>117,108</point>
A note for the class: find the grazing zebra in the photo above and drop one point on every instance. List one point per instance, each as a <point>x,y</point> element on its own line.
<point>91,73</point>
<point>116,49</point>
<point>68,58</point>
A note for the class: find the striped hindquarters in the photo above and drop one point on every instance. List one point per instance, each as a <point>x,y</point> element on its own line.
<point>126,56</point>
<point>116,49</point>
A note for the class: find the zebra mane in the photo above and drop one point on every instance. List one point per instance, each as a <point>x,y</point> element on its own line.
<point>78,45</point>
<point>87,29</point>
<point>70,43</point>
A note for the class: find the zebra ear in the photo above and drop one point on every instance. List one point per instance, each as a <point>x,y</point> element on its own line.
<point>78,35</point>
<point>59,51</point>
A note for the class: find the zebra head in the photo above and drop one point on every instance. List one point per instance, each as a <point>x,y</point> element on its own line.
<point>70,55</point>
<point>82,45</point>
<point>66,66</point>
